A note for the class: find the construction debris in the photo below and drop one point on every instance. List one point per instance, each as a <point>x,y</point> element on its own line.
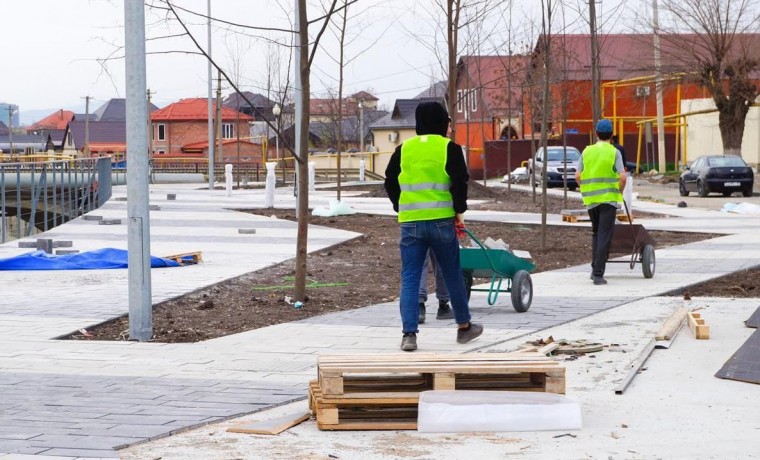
<point>272,426</point>
<point>699,329</point>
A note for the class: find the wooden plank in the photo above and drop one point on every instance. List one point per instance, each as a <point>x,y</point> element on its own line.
<point>271,426</point>
<point>410,424</point>
<point>699,329</point>
<point>671,325</point>
<point>480,357</point>
<point>548,348</point>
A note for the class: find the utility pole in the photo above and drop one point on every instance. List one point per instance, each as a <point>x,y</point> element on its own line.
<point>661,161</point>
<point>595,109</point>
<point>211,139</point>
<point>87,126</point>
<point>151,134</point>
<point>219,121</point>
<point>138,229</point>
<point>10,127</point>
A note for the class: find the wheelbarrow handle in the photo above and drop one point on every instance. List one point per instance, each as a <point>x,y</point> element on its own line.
<point>482,246</point>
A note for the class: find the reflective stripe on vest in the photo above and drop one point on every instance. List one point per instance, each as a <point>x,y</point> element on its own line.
<point>423,180</point>
<point>599,181</point>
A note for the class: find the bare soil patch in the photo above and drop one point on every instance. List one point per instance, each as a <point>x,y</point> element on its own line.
<point>358,273</point>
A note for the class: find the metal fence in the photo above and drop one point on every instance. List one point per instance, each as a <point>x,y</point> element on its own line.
<point>38,196</point>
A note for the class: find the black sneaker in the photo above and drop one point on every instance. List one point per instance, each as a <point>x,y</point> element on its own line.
<point>409,341</point>
<point>421,318</point>
<point>471,333</point>
<point>444,311</point>
<point>598,280</point>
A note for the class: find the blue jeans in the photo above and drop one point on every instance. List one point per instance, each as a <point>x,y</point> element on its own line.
<point>439,237</point>
<point>441,293</point>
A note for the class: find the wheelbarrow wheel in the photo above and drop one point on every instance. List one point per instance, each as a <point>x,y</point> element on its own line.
<point>522,291</point>
<point>648,261</point>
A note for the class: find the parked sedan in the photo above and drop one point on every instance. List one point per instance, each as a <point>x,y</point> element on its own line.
<point>724,174</point>
<point>556,167</point>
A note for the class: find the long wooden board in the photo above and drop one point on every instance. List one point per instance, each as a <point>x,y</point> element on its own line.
<point>271,426</point>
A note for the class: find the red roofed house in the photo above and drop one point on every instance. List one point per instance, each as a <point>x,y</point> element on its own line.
<point>180,130</point>
<point>326,110</point>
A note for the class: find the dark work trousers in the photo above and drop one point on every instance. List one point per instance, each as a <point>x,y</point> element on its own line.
<point>602,226</point>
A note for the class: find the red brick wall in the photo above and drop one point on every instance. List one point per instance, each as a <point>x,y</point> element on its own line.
<point>180,133</point>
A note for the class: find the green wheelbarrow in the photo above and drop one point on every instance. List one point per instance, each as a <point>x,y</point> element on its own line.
<point>499,265</point>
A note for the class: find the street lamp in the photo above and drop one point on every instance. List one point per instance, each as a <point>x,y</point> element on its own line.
<point>361,125</point>
<point>276,111</point>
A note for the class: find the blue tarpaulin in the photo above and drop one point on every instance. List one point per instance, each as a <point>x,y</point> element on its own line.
<point>90,260</point>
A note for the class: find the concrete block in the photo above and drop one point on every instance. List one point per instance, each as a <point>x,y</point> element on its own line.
<point>45,244</point>
<point>171,196</point>
<point>110,222</point>
<point>27,244</point>
<point>91,217</point>
<point>247,231</point>
<point>63,244</point>
<point>60,252</point>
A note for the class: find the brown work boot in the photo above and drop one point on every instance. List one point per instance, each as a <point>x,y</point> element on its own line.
<point>409,341</point>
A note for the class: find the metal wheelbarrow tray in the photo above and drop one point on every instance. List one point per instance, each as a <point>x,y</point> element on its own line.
<point>499,265</point>
<point>634,239</point>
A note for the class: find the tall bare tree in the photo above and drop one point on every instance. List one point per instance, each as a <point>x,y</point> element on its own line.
<point>720,51</point>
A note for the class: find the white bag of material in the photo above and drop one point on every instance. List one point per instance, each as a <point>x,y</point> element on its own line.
<point>464,411</point>
<point>337,208</point>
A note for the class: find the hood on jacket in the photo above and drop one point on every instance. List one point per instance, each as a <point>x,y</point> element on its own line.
<point>431,118</point>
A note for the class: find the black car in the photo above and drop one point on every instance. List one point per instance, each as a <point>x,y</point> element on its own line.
<point>724,174</point>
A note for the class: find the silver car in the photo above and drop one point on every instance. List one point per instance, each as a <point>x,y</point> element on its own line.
<point>556,167</point>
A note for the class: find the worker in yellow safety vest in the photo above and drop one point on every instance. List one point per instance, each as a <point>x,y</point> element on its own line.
<point>426,181</point>
<point>601,175</point>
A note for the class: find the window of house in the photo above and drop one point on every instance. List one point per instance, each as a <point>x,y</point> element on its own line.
<point>227,131</point>
<point>161,152</point>
<point>68,140</point>
<point>474,100</point>
<point>459,100</point>
<point>161,132</point>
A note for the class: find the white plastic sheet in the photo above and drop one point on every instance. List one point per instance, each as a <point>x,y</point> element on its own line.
<point>337,208</point>
<point>741,208</point>
<point>465,411</point>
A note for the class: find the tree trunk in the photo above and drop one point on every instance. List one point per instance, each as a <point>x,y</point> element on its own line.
<point>303,162</point>
<point>731,123</point>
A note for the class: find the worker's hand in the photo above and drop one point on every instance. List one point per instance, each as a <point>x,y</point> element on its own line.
<point>459,226</point>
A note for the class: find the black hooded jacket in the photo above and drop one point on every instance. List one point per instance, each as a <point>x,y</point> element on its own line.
<point>432,118</point>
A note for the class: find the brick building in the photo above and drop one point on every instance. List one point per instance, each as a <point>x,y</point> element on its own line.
<point>180,130</point>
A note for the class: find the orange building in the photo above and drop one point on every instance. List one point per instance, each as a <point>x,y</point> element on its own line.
<point>484,110</point>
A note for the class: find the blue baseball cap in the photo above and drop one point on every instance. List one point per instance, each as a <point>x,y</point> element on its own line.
<point>604,126</point>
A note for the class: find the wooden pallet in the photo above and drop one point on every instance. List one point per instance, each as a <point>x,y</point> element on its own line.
<point>574,215</point>
<point>186,258</point>
<point>363,392</point>
<point>385,411</point>
<point>340,375</point>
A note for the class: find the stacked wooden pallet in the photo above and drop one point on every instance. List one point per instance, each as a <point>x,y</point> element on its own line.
<point>381,392</point>
<point>574,215</point>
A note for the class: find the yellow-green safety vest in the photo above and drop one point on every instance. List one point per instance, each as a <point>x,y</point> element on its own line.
<point>425,185</point>
<point>599,181</point>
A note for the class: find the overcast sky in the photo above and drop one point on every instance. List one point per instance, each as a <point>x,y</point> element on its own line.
<point>55,52</point>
